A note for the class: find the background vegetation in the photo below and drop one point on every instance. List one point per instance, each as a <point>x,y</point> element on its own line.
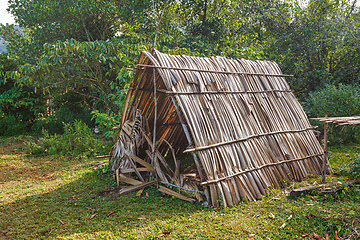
<point>68,60</point>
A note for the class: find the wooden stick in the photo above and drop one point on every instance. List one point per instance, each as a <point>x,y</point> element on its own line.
<point>137,187</point>
<point>325,151</point>
<point>130,170</point>
<point>214,92</point>
<point>175,194</point>
<point>245,139</point>
<point>104,156</point>
<point>154,130</point>
<point>215,71</point>
<point>139,160</point>
<point>258,168</point>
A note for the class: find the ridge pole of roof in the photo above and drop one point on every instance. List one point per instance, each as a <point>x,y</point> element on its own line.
<point>325,150</point>
<point>187,134</point>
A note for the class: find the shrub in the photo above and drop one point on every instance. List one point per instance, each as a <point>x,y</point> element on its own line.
<point>11,125</point>
<point>340,101</point>
<point>105,122</point>
<point>355,168</point>
<point>76,140</point>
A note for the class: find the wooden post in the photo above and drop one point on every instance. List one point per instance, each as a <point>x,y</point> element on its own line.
<point>154,134</point>
<point>325,150</point>
<point>187,134</point>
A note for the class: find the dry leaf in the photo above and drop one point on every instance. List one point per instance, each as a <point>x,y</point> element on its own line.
<point>317,236</point>
<point>92,216</point>
<point>327,236</point>
<point>327,216</point>
<point>110,213</point>
<point>251,235</point>
<point>147,195</point>
<point>336,237</point>
<point>142,218</point>
<point>304,235</point>
<point>164,234</point>
<point>138,194</point>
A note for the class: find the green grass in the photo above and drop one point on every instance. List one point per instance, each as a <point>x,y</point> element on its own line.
<point>55,197</point>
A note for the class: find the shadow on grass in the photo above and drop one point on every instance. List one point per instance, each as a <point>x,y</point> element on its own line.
<point>86,205</point>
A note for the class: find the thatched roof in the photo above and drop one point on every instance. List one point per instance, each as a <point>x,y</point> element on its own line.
<point>238,119</point>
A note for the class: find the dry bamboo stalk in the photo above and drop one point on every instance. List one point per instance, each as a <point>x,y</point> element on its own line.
<point>175,194</point>
<point>263,166</point>
<point>245,139</point>
<point>130,170</point>
<point>325,151</point>
<point>128,180</point>
<point>137,187</point>
<point>219,72</point>
<point>218,92</point>
<point>140,161</point>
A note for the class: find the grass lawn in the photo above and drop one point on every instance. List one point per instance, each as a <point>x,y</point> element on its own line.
<point>65,198</point>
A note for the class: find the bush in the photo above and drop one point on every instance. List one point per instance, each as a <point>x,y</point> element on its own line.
<point>340,101</point>
<point>11,125</point>
<point>76,140</point>
<point>105,123</point>
<point>355,168</point>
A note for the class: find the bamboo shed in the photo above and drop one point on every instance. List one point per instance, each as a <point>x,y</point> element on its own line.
<point>222,128</point>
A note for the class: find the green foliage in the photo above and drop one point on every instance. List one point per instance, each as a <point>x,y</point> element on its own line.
<point>19,106</point>
<point>355,168</point>
<point>77,140</point>
<point>340,101</point>
<point>317,43</point>
<point>105,122</point>
<point>95,70</point>
<point>11,125</point>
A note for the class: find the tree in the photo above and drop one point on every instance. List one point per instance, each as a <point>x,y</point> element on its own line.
<point>19,106</point>
<point>318,44</point>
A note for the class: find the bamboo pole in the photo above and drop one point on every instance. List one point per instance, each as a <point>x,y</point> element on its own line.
<point>153,157</point>
<point>215,71</point>
<point>325,151</point>
<point>245,139</point>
